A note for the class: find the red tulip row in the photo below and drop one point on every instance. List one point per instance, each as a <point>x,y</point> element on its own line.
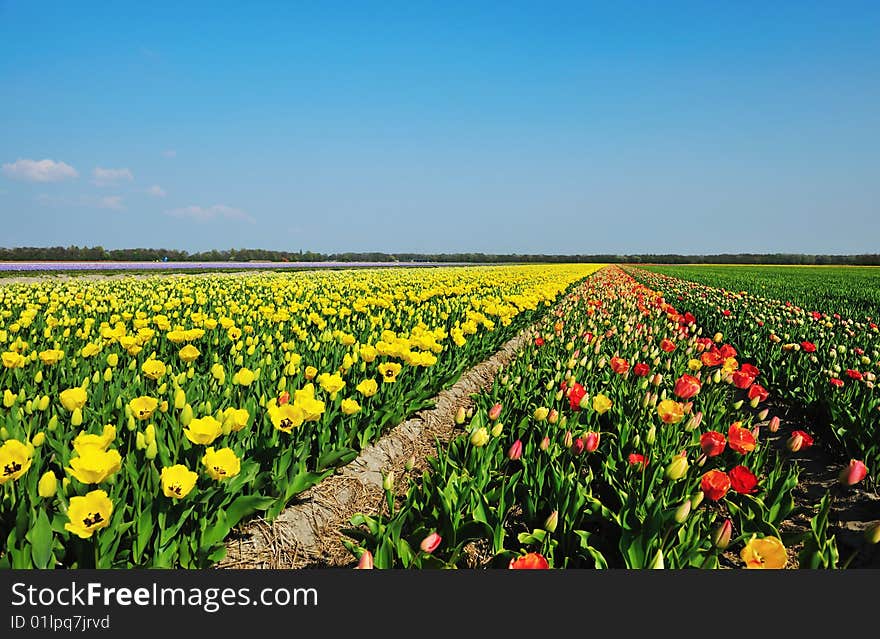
<point>622,436</point>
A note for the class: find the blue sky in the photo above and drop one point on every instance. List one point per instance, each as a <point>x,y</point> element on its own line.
<point>497,127</point>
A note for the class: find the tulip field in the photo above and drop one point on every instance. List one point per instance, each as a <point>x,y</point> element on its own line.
<point>143,419</point>
<point>639,429</point>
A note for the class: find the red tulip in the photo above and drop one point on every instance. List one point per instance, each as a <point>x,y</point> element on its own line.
<point>741,439</point>
<point>749,369</point>
<point>687,386</point>
<point>619,365</point>
<point>756,390</point>
<point>577,446</point>
<point>836,381</point>
<point>852,474</point>
<point>529,561</point>
<point>727,351</point>
<point>715,484</point>
<point>539,341</point>
<point>808,347</point>
<point>711,358</point>
<point>854,374</point>
<point>641,369</point>
<point>742,380</point>
<point>576,395</point>
<point>667,345</point>
<point>712,443</point>
<point>637,459</point>
<point>742,480</point>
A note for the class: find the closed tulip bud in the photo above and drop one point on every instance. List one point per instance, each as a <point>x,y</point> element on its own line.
<point>130,424</point>
<point>738,404</point>
<point>48,485</point>
<point>388,481</point>
<point>186,415</point>
<point>39,439</point>
<point>567,439</point>
<point>140,442</point>
<point>872,533</point>
<point>591,441</point>
<point>4,434</point>
<point>53,423</point>
<point>563,421</point>
<point>545,443</point>
<point>366,561</point>
<point>43,404</point>
<point>497,429</point>
<point>152,451</point>
<point>150,433</point>
<point>773,426</point>
<point>853,473</point>
<point>678,467</point>
<point>459,417</point>
<point>410,463</point>
<point>697,499</point>
<point>657,379</point>
<point>657,563</point>
<point>179,398</point>
<point>515,451</point>
<point>552,521</point>
<point>577,446</point>
<point>541,413</point>
<point>553,416</point>
<point>682,512</point>
<point>559,394</point>
<point>716,377</point>
<point>795,442</point>
<point>721,534</point>
<point>495,412</point>
<point>430,543</point>
<point>76,418</point>
<point>651,437</point>
<point>38,377</point>
<point>763,414</point>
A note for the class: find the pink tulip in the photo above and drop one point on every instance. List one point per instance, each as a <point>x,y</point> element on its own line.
<point>773,426</point>
<point>430,543</point>
<point>495,412</point>
<point>591,441</point>
<point>515,451</point>
<point>852,474</point>
<point>366,561</point>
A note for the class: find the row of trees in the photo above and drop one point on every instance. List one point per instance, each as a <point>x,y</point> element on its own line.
<point>98,254</point>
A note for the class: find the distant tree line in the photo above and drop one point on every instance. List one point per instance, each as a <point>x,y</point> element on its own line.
<point>99,254</point>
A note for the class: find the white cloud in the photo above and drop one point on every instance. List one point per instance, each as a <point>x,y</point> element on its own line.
<point>170,153</point>
<point>39,170</point>
<point>156,191</point>
<point>107,177</point>
<point>206,214</point>
<point>112,202</point>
